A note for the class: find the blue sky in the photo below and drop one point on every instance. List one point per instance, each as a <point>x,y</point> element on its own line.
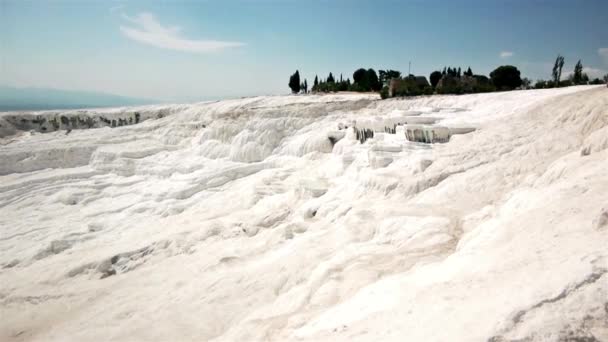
<point>195,50</point>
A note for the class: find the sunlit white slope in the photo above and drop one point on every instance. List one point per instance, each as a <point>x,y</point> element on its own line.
<point>241,220</point>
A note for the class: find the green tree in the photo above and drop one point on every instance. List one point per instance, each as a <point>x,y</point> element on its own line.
<point>316,83</point>
<point>384,93</point>
<point>596,81</point>
<point>372,79</point>
<point>294,82</point>
<point>385,76</point>
<point>330,78</point>
<point>506,77</point>
<point>434,78</point>
<point>577,76</point>
<point>469,72</point>
<point>540,84</point>
<point>305,86</point>
<point>557,69</point>
<point>359,75</point>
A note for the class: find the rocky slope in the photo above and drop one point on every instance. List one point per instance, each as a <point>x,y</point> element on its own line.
<point>267,219</point>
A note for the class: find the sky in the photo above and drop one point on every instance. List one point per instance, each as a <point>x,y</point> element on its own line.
<point>186,50</point>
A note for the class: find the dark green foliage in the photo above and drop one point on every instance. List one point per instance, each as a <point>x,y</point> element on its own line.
<point>596,81</point>
<point>331,85</point>
<point>408,86</point>
<point>385,76</point>
<point>434,78</point>
<point>305,86</point>
<point>483,84</point>
<point>359,75</point>
<point>577,76</point>
<point>372,80</point>
<point>506,77</point>
<point>566,83</point>
<point>454,72</point>
<point>456,82</point>
<point>294,82</point>
<point>366,80</point>
<point>384,92</point>
<point>557,70</point>
<point>540,84</point>
<point>450,85</point>
<point>136,117</point>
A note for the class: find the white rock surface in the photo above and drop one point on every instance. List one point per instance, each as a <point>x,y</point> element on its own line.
<point>240,220</point>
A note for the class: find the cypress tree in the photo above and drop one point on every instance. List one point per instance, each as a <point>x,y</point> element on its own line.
<point>577,77</point>
<point>330,78</point>
<point>294,82</point>
<point>557,70</point>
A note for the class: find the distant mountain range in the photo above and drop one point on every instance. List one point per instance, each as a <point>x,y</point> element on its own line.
<point>12,98</point>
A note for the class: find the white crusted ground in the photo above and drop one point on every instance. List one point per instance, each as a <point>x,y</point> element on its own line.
<point>240,220</point>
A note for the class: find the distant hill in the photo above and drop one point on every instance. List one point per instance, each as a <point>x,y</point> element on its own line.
<point>12,98</point>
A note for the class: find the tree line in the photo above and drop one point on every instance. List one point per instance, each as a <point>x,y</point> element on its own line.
<point>578,76</point>
<point>364,80</point>
<point>450,80</point>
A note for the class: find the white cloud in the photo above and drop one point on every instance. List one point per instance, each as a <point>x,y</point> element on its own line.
<point>147,30</point>
<point>594,73</point>
<point>506,54</point>
<point>603,52</point>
